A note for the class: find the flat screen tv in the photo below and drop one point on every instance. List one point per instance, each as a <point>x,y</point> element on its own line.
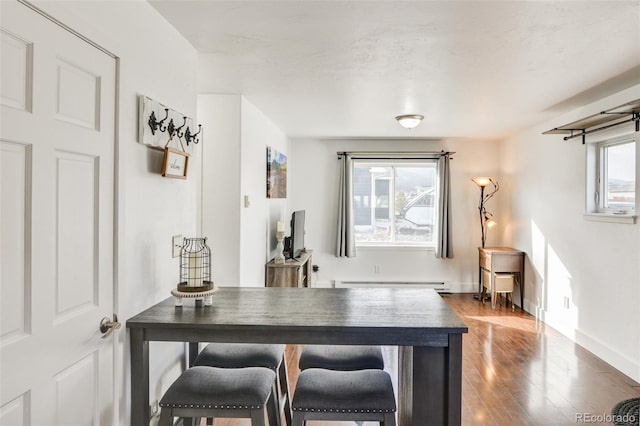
<point>297,234</point>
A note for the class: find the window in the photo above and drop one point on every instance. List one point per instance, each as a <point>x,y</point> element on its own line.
<point>612,179</point>
<point>401,202</point>
<point>616,178</point>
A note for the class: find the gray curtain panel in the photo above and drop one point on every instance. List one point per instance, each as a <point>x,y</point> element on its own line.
<point>345,241</point>
<point>444,244</point>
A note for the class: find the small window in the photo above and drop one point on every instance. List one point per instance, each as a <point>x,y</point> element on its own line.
<point>616,177</point>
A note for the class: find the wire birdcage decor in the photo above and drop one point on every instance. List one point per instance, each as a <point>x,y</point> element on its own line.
<point>195,266</point>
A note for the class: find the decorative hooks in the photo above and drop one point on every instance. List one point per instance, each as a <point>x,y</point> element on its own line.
<point>173,130</point>
<point>171,127</point>
<point>192,137</point>
<point>155,124</point>
<point>154,132</point>
<point>178,133</point>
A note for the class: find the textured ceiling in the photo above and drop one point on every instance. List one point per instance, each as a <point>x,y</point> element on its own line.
<point>475,69</point>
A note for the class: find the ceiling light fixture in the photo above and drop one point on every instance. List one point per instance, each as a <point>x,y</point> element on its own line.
<point>409,121</point>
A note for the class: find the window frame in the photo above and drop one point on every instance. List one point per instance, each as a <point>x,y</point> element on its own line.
<point>596,184</point>
<point>394,163</point>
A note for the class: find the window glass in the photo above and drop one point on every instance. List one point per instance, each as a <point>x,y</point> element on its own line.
<point>403,208</point>
<point>619,176</point>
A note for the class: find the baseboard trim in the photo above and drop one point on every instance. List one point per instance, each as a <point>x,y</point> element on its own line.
<point>620,361</point>
<point>447,286</point>
<point>463,287</point>
<point>612,357</point>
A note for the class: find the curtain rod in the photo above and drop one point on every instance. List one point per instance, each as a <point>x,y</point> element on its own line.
<point>395,154</point>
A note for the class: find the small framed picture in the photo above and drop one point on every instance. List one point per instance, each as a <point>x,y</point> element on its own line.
<point>276,174</point>
<point>175,163</point>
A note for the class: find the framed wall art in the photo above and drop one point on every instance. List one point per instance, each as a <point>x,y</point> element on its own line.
<point>276,174</point>
<point>175,163</point>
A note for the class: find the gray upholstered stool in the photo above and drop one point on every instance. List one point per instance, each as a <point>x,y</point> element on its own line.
<point>340,357</point>
<point>362,395</point>
<point>239,355</point>
<point>221,392</point>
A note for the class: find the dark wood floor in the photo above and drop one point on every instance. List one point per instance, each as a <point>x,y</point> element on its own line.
<point>517,371</point>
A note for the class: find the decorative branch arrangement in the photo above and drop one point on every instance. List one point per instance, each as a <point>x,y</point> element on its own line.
<point>154,132</point>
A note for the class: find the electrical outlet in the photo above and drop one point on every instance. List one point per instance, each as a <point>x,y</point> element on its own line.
<point>376,269</point>
<point>566,302</point>
<point>176,245</point>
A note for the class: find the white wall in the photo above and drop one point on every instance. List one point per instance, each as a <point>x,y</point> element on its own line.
<point>314,183</point>
<point>235,166</point>
<point>221,206</point>
<point>257,234</point>
<point>595,264</point>
<point>155,61</point>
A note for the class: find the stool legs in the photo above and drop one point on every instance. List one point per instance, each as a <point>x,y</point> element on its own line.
<point>300,419</point>
<point>273,408</point>
<point>165,418</point>
<point>389,420</point>
<point>257,418</point>
<point>282,391</point>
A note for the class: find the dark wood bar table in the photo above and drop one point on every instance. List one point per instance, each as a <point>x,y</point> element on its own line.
<point>418,321</point>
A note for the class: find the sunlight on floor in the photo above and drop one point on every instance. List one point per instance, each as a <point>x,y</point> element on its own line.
<point>524,324</point>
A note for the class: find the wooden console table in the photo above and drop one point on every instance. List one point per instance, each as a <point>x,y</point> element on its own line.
<point>425,328</point>
<point>292,273</point>
<point>502,259</point>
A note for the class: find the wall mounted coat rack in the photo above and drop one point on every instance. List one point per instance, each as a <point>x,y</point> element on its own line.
<point>157,121</point>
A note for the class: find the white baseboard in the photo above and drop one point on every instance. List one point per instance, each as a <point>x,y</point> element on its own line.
<point>464,287</point>
<point>630,367</point>
<point>443,286</point>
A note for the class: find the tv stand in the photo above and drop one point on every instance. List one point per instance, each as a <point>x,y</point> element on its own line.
<point>292,273</point>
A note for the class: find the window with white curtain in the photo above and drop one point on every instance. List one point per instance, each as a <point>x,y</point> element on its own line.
<point>395,202</point>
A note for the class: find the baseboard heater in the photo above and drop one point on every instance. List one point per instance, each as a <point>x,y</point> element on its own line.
<point>439,286</point>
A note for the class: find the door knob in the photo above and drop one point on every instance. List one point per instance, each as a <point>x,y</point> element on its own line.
<point>107,325</point>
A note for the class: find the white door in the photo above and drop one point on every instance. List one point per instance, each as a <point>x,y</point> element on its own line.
<point>57,239</point>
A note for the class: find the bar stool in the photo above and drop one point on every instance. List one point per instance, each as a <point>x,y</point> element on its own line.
<point>339,357</point>
<point>222,392</point>
<point>362,395</point>
<point>240,355</point>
